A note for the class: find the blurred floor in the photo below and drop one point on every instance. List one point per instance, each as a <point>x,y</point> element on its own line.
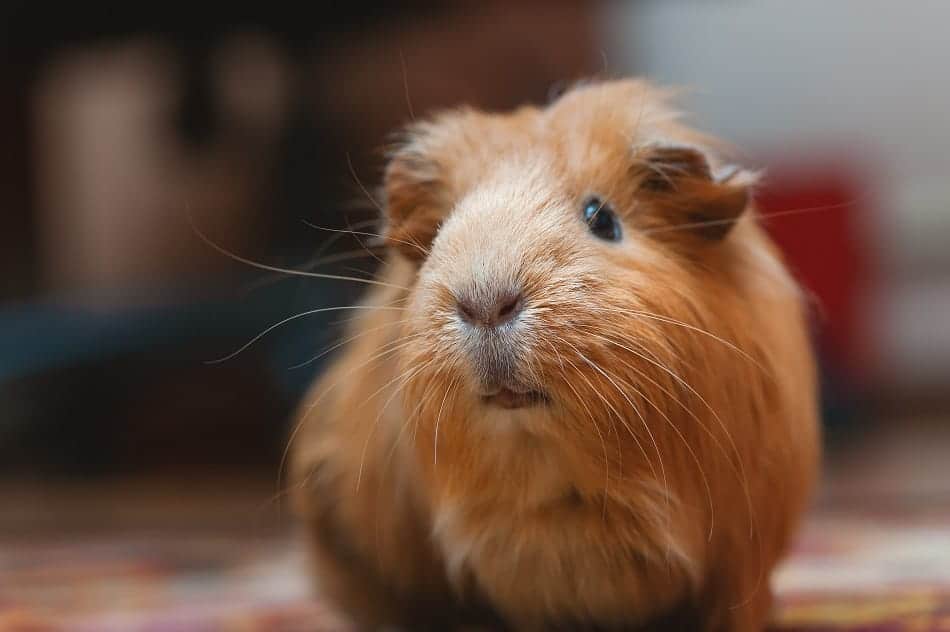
<point>874,555</point>
<point>220,554</point>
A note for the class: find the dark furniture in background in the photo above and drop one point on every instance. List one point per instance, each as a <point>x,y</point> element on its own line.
<point>126,388</point>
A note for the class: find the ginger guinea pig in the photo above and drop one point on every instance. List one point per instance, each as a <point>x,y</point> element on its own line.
<point>583,396</point>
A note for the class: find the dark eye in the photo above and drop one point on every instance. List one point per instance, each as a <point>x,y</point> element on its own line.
<point>601,220</point>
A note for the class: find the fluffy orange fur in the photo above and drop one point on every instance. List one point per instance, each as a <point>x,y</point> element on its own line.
<point>662,479</point>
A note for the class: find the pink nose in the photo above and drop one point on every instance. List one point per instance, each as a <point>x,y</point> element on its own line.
<point>492,311</point>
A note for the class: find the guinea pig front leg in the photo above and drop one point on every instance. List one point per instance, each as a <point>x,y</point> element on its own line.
<point>346,572</point>
<point>370,546</point>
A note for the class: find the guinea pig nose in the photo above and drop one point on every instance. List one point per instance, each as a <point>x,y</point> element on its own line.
<point>493,311</point>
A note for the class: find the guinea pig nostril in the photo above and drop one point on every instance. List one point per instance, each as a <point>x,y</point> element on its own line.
<point>490,313</point>
<point>466,311</point>
<point>508,309</point>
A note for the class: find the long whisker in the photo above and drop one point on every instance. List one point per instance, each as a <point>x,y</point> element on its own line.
<point>405,84</point>
<point>309,266</point>
<point>679,380</point>
<point>692,452</point>
<point>350,319</point>
<point>329,241</point>
<point>359,183</point>
<point>428,394</point>
<point>435,434</point>
<point>343,231</point>
<point>679,323</point>
<point>367,234</point>
<point>399,344</point>
<point>290,271</point>
<point>764,216</point>
<point>347,340</point>
<point>318,259</point>
<point>403,379</point>
<point>312,406</point>
<point>364,246</point>
<point>411,418</point>
<point>610,406</point>
<point>590,414</point>
<point>349,255</point>
<point>643,421</point>
<point>295,317</point>
<point>643,374</point>
<point>722,425</point>
<point>646,376</point>
<point>392,451</point>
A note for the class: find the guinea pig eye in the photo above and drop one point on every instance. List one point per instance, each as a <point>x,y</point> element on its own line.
<point>601,220</point>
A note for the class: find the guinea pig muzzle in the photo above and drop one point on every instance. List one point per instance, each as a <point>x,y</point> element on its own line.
<point>493,340</point>
<point>495,360</point>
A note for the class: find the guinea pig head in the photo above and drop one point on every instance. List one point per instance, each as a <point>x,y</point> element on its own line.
<point>554,247</point>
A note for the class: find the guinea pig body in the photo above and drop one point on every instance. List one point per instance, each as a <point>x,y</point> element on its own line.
<point>583,398</point>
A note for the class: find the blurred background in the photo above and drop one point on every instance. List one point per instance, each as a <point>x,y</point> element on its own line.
<point>130,131</point>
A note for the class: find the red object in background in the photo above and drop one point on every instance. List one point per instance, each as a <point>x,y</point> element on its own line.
<point>821,211</point>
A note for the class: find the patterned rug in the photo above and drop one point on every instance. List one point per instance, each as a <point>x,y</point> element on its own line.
<point>873,557</point>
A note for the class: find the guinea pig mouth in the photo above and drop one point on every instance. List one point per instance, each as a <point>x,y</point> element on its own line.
<point>508,398</point>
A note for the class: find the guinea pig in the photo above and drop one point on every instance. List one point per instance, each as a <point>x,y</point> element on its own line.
<point>581,394</point>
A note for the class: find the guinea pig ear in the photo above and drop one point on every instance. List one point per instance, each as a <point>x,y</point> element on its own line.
<point>414,204</point>
<point>689,195</point>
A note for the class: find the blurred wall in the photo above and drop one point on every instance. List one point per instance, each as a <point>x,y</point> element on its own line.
<point>861,79</point>
<point>130,128</point>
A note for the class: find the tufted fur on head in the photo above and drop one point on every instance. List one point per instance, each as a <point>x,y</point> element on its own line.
<point>671,441</point>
